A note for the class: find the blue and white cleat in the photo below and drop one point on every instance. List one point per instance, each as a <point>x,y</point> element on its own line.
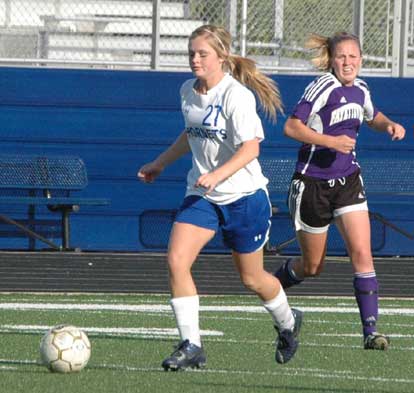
<point>287,341</point>
<point>185,355</point>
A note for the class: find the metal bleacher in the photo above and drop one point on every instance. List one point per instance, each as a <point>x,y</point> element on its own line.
<point>113,38</point>
<point>103,30</point>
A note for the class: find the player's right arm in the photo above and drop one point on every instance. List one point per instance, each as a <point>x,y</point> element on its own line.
<point>296,129</point>
<point>148,172</point>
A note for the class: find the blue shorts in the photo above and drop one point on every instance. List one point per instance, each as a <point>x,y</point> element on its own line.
<point>245,223</point>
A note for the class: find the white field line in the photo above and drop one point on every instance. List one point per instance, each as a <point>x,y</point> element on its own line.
<point>290,372</point>
<point>110,331</point>
<point>8,368</point>
<point>315,320</point>
<point>158,333</point>
<point>167,308</point>
<point>18,362</point>
<point>315,373</point>
<point>359,335</point>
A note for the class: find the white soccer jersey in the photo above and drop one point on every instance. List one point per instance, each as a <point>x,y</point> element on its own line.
<point>216,124</point>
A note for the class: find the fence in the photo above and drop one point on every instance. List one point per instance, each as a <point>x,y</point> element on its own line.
<point>153,34</point>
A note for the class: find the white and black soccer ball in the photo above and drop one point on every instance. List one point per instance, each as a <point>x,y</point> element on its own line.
<point>65,349</point>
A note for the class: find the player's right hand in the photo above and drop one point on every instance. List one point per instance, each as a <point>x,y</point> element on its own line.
<point>343,144</point>
<point>149,172</point>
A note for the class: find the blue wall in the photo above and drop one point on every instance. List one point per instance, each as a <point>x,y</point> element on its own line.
<point>118,120</point>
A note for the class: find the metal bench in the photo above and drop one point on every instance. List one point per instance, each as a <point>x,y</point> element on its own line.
<point>387,180</point>
<point>36,180</point>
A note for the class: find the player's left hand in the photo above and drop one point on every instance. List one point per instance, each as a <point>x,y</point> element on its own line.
<point>396,131</point>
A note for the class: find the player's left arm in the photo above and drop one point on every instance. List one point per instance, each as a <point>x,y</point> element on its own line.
<point>247,152</point>
<point>383,123</point>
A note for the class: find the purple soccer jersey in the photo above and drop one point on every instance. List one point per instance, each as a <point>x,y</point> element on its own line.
<point>330,108</point>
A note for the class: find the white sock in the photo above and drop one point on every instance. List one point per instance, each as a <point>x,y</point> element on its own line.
<point>186,310</point>
<point>280,311</point>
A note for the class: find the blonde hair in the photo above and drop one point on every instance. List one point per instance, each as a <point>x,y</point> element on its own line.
<point>324,48</point>
<point>243,69</point>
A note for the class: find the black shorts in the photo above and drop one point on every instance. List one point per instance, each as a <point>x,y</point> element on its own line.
<point>314,203</point>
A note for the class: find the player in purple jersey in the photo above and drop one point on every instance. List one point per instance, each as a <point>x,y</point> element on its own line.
<point>327,186</point>
<point>225,189</point>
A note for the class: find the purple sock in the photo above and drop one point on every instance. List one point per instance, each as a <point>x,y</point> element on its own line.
<point>366,294</point>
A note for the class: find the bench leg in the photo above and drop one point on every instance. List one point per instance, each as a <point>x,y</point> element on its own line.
<point>29,232</point>
<point>66,210</point>
<point>31,215</point>
<point>65,227</point>
<point>380,218</point>
<point>278,247</point>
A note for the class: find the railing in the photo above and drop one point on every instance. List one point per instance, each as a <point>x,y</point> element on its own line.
<point>153,34</point>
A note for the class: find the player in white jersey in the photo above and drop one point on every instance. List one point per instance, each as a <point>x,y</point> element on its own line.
<point>225,189</point>
<point>230,120</point>
<point>327,185</point>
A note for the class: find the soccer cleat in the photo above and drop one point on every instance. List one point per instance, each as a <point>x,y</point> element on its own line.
<point>287,341</point>
<point>376,341</point>
<point>185,355</point>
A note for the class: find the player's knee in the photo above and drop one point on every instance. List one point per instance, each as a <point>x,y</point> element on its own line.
<point>249,281</point>
<point>177,264</point>
<point>361,258</point>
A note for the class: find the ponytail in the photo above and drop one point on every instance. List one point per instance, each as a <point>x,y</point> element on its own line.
<point>246,72</point>
<point>242,69</point>
<point>324,48</point>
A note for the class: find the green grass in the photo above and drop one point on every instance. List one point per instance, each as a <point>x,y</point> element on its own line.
<point>240,355</point>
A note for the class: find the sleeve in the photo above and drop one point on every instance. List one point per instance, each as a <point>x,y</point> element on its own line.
<point>302,110</point>
<point>314,97</point>
<point>185,91</point>
<point>243,117</point>
<point>370,110</point>
<point>188,84</point>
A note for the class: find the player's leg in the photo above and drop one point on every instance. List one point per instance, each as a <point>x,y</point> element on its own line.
<point>355,230</point>
<point>193,228</point>
<point>287,321</point>
<point>310,264</point>
<point>186,242</point>
<point>311,214</point>
<point>352,219</point>
<point>246,225</point>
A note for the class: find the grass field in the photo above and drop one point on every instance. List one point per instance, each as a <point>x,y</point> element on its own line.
<point>131,334</point>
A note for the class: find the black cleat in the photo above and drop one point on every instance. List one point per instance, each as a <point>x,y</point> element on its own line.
<point>376,341</point>
<point>287,341</point>
<point>185,355</point>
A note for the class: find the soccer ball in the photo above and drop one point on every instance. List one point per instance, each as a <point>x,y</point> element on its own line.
<point>65,349</point>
